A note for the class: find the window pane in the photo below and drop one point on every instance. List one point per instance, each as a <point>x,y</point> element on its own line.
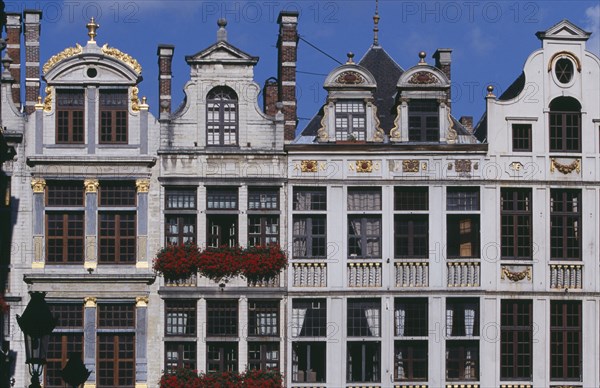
<point>223,199</point>
<point>306,199</point>
<point>222,317</point>
<point>180,317</point>
<point>364,317</point>
<point>411,198</point>
<point>309,318</point>
<point>462,198</point>
<point>364,199</point>
<point>263,318</point>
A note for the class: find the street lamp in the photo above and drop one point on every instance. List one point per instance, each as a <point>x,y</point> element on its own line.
<point>36,323</point>
<point>75,373</point>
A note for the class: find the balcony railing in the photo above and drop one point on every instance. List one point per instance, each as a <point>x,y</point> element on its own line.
<point>566,276</point>
<point>412,274</point>
<point>364,274</point>
<point>464,274</point>
<point>309,274</point>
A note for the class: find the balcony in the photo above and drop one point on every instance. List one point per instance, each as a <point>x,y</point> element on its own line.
<point>309,275</point>
<point>566,276</point>
<point>464,274</point>
<point>412,274</point>
<point>364,274</point>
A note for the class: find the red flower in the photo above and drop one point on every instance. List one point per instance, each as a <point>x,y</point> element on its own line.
<point>177,262</point>
<point>185,378</point>
<point>263,262</point>
<point>219,263</point>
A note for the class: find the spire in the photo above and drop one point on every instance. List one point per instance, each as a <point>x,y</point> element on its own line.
<point>92,26</point>
<point>376,24</point>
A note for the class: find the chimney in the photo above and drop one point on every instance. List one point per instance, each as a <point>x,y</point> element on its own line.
<point>13,50</point>
<point>31,20</point>
<point>287,47</point>
<point>467,122</point>
<point>443,60</point>
<point>270,96</point>
<point>165,57</point>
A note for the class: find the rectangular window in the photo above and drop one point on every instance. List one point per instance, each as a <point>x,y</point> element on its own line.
<point>423,120</point>
<point>310,198</point>
<point>116,345</point>
<point>180,318</point>
<point>180,355</point>
<point>516,339</point>
<point>363,362</point>
<point>222,318</point>
<point>309,362</point>
<point>516,219</point>
<point>70,108</point>
<point>309,236</point>
<point>222,199</point>
<point>410,317</point>
<point>462,355</point>
<point>521,137</point>
<point>222,230</point>
<point>113,116</point>
<point>462,360</point>
<point>364,237</point>
<point>263,199</point>
<point>180,216</point>
<point>411,198</point>
<point>364,199</point>
<point>462,317</point>
<point>462,198</point>
<point>65,230</point>
<point>364,317</point>
<point>221,357</point>
<point>117,193</point>
<point>350,120</point>
<point>67,337</point>
<point>565,224</point>
<point>263,230</point>
<point>411,235</point>
<point>410,360</point>
<point>309,318</point>
<point>565,340</point>
<point>565,131</point>
<point>263,355</point>
<point>117,237</point>
<point>263,318</point>
<point>463,236</point>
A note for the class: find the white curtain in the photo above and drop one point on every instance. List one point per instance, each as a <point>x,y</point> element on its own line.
<point>400,372</point>
<point>372,316</point>
<point>449,321</point>
<point>299,247</point>
<point>373,243</point>
<point>177,322</point>
<point>400,317</point>
<point>266,323</point>
<point>355,225</point>
<point>469,319</point>
<point>298,315</point>
<point>468,364</point>
<point>303,200</point>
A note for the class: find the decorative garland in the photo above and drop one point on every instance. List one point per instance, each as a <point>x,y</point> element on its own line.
<point>516,276</point>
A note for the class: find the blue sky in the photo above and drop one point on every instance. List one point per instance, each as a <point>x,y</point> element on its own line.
<point>491,39</point>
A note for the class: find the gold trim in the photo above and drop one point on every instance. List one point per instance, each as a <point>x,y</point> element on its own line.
<point>378,134</point>
<point>91,185</point>
<point>141,301</point>
<point>322,134</point>
<point>135,101</point>
<point>142,264</point>
<point>565,168</point>
<point>411,165</point>
<point>90,301</point>
<point>38,185</point>
<point>565,53</point>
<point>66,53</point>
<point>37,265</point>
<point>48,99</point>
<point>395,131</point>
<point>462,165</point>
<point>121,56</point>
<point>309,166</point>
<point>452,135</point>
<point>364,166</point>
<point>515,276</point>
<point>142,185</point>
<point>90,265</point>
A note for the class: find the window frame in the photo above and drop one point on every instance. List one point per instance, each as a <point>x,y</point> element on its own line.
<point>269,307</point>
<point>567,220</point>
<point>69,332</point>
<point>521,137</point>
<point>412,361</point>
<point>564,338</point>
<point>512,343</point>
<point>342,133</point>
<point>222,363</point>
<point>357,316</point>
<point>423,132</point>
<point>180,307</point>
<point>181,221</point>
<point>111,115</point>
<point>375,373</point>
<point>73,135</point>
<point>314,321</point>
<point>120,326</point>
<point>217,96</point>
<point>516,215</point>
<point>222,318</point>
<point>186,353</point>
<point>264,348</point>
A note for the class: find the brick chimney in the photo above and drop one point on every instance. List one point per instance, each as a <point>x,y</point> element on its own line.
<point>270,96</point>
<point>165,58</point>
<point>443,61</point>
<point>31,21</point>
<point>13,50</point>
<point>287,48</point>
<point>467,122</point>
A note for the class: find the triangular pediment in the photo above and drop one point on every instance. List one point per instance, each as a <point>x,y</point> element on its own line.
<point>564,30</point>
<point>222,52</point>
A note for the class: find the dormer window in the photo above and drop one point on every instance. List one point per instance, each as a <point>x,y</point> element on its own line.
<point>350,120</point>
<point>423,120</point>
<point>221,117</point>
<point>113,116</point>
<point>564,70</point>
<point>565,125</point>
<point>69,116</point>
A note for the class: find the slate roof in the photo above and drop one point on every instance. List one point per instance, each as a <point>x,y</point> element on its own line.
<point>514,89</point>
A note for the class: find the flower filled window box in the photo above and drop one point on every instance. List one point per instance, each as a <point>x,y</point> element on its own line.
<point>177,262</point>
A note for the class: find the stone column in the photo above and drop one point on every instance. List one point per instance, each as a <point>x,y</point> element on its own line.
<point>141,338</point>
<point>91,115</point>
<point>143,186</point>
<point>89,339</point>
<point>91,222</point>
<point>243,216</point>
<point>38,186</point>
<point>201,341</point>
<point>243,333</point>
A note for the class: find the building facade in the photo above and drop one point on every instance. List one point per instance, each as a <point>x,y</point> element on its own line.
<point>424,250</point>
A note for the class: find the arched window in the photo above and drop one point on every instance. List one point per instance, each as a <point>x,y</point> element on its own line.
<point>565,125</point>
<point>221,117</point>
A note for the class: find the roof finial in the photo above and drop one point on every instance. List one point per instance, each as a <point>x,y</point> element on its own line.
<point>376,24</point>
<point>222,32</point>
<point>350,58</point>
<point>422,55</point>
<point>92,26</point>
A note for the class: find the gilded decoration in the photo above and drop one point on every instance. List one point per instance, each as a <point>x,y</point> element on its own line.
<point>410,165</point>
<point>452,135</point>
<point>121,56</point>
<point>462,166</point>
<point>141,301</point>
<point>48,99</point>
<point>90,301</point>
<point>423,78</point>
<point>38,185</point>
<point>66,53</point>
<point>516,166</point>
<point>135,101</point>
<point>364,166</point>
<point>505,273</point>
<point>91,185</point>
<point>563,54</point>
<point>142,185</point>
<point>322,134</point>
<point>395,131</point>
<point>378,135</point>
<point>565,168</point>
<point>309,166</point>
<point>350,78</point>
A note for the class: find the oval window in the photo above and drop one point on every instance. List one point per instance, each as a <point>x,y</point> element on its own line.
<point>564,70</point>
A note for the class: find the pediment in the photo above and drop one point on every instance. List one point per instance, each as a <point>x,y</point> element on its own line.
<point>350,76</point>
<point>221,52</point>
<point>564,30</point>
<point>423,76</point>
